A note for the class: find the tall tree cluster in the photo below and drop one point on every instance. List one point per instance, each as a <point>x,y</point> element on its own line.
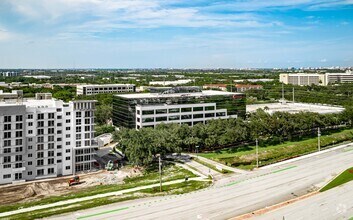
<point>142,146</point>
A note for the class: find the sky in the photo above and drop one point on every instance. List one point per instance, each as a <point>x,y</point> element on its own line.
<point>175,33</point>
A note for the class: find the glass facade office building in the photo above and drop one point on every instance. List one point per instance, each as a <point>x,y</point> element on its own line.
<point>177,105</point>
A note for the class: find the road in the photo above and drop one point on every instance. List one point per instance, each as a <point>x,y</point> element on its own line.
<point>332,204</point>
<point>232,196</point>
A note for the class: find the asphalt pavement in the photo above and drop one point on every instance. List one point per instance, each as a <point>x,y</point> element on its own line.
<point>232,196</point>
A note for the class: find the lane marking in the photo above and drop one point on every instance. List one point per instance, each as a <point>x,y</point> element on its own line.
<point>102,213</point>
<point>281,170</point>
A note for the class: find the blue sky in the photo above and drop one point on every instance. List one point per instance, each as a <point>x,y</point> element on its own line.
<point>175,33</point>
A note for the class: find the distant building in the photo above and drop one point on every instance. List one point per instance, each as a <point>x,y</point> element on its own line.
<point>323,79</point>
<point>246,87</point>
<point>182,105</point>
<point>44,137</point>
<point>9,74</point>
<point>303,79</point>
<point>105,88</point>
<point>38,76</point>
<point>171,83</point>
<point>15,94</point>
<point>222,87</point>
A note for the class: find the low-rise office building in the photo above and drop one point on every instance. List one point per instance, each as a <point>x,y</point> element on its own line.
<point>246,87</point>
<point>222,87</point>
<point>322,79</point>
<point>14,94</point>
<point>182,105</point>
<point>105,88</point>
<point>45,137</point>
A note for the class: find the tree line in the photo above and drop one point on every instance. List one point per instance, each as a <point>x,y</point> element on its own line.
<point>142,146</point>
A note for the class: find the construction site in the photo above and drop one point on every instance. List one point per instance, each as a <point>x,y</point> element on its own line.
<point>35,190</point>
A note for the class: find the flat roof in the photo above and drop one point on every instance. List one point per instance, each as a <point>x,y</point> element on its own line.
<point>291,107</point>
<point>104,85</point>
<point>191,94</point>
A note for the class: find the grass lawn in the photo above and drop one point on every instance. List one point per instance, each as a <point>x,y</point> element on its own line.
<point>179,188</point>
<point>245,157</point>
<point>224,171</point>
<point>151,176</point>
<point>343,178</point>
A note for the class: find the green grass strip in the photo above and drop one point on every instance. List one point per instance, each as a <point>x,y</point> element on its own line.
<point>103,213</point>
<point>281,170</point>
<point>343,178</point>
<point>234,183</point>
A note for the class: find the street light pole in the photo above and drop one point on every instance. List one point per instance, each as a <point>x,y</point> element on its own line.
<point>197,151</point>
<point>160,173</point>
<point>318,138</point>
<point>257,154</point>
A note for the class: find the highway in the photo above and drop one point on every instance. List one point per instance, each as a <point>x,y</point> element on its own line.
<point>233,196</point>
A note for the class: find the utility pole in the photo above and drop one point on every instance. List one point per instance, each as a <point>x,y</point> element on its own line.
<point>257,154</point>
<point>318,138</point>
<point>160,174</point>
<point>293,94</point>
<point>282,92</point>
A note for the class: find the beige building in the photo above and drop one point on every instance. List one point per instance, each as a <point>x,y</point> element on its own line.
<point>303,79</point>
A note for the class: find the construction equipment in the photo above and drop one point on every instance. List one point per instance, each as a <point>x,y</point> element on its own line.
<point>74,181</point>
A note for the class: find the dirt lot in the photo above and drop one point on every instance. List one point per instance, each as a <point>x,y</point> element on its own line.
<point>35,190</point>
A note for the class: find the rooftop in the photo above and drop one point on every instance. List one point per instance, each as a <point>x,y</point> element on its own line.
<point>192,94</point>
<point>104,85</point>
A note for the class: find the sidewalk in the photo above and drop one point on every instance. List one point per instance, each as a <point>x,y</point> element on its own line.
<point>116,193</point>
<point>214,163</point>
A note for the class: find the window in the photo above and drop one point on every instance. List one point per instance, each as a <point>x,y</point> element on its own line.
<point>58,161</point>
<point>78,129</point>
<point>50,130</point>
<point>19,117</point>
<point>51,115</point>
<point>40,147</point>
<point>40,116</point>
<point>40,172</point>
<point>87,143</point>
<point>78,143</point>
<point>30,147</point>
<point>50,170</point>
<point>7,143</point>
<point>30,131</point>
<point>51,146</point>
<point>18,176</point>
<point>18,158</point>
<point>67,113</point>
<point>7,127</point>
<point>7,176</point>
<point>30,124</point>
<point>209,108</point>
<point>68,151</point>
<point>58,109</point>
<point>147,120</point>
<point>68,121</point>
<point>67,128</point>
<point>60,117</point>
<point>18,141</point>
<point>185,109</point>
<point>148,112</point>
<point>161,111</point>
<point>174,110</point>
<point>59,146</point>
<point>161,119</point>
<point>87,128</point>
<point>7,150</point>
<point>59,154</point>
<point>198,109</point>
<point>18,133</point>
<point>7,134</point>
<point>59,124</point>
<point>40,124</point>
<point>7,159</point>
<point>59,132</point>
<point>209,115</point>
<point>78,136</point>
<point>51,138</point>
<point>40,131</point>
<point>40,139</point>
<point>7,118</point>
<point>185,117</point>
<point>40,154</point>
<point>30,116</point>
<point>50,161</point>
<point>18,126</point>
<point>29,163</point>
<point>7,166</point>
<point>78,114</point>
<point>50,153</point>
<point>78,121</point>
<point>138,112</point>
<point>87,135</point>
<point>87,121</point>
<point>67,158</point>
<point>173,118</point>
<point>198,116</point>
<point>30,139</point>
<point>19,149</point>
<point>30,155</point>
<point>68,143</point>
<point>67,167</point>
<point>40,162</point>
<point>88,114</point>
<point>29,173</point>
<point>18,165</point>
<point>219,114</point>
<point>50,123</point>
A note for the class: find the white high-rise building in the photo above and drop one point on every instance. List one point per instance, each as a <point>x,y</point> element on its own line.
<point>45,137</point>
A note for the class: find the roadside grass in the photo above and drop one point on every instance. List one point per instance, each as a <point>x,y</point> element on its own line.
<point>224,171</point>
<point>150,176</point>
<point>343,178</point>
<point>174,189</point>
<point>245,157</point>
